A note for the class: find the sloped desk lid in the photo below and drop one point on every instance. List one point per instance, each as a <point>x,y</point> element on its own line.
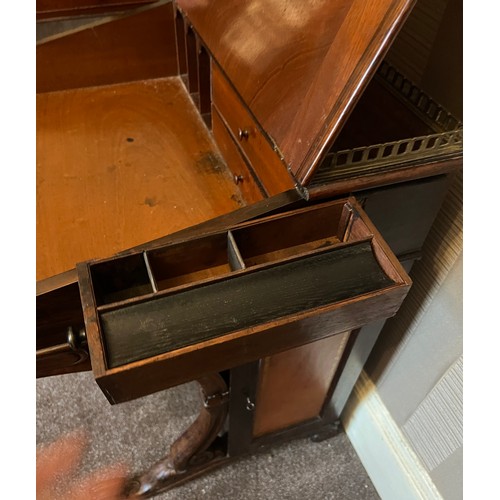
<point>298,65</point>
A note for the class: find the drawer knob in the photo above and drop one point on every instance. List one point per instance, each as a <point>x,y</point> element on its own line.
<point>238,179</point>
<point>243,134</point>
<point>250,406</point>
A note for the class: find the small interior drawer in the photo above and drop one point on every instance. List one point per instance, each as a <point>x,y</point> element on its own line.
<point>164,316</point>
<point>243,176</point>
<point>264,159</point>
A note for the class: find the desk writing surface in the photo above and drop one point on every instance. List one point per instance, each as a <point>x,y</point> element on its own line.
<point>120,165</point>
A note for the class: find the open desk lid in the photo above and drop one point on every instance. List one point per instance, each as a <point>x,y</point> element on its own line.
<point>299,66</point>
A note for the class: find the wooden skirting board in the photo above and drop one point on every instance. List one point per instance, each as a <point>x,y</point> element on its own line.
<point>395,470</point>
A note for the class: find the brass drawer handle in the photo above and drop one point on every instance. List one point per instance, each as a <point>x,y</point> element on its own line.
<point>243,134</point>
<point>75,343</point>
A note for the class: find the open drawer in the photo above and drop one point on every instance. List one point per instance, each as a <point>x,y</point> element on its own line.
<point>161,317</point>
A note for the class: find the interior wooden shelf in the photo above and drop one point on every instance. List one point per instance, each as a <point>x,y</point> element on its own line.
<point>120,165</point>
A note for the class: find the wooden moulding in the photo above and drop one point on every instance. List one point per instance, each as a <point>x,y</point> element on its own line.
<point>420,170</point>
<point>230,308</point>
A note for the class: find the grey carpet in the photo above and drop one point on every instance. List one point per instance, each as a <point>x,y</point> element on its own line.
<point>138,433</point>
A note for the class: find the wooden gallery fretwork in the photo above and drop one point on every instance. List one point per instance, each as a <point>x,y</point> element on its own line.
<point>232,193</point>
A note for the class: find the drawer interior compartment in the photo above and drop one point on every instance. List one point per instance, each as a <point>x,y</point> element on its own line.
<point>186,263</point>
<point>114,281</point>
<point>291,235</point>
<point>234,292</point>
<point>170,322</point>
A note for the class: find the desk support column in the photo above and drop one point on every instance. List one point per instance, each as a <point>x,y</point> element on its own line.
<point>197,449</point>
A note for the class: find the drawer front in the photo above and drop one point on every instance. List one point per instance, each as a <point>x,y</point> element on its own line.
<point>242,174</point>
<point>268,166</point>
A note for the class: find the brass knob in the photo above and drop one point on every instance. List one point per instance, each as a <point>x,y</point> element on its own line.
<point>243,134</point>
<point>238,179</point>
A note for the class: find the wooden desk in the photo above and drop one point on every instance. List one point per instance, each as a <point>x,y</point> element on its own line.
<point>230,194</point>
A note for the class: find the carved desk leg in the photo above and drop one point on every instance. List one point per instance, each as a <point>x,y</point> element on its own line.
<point>195,450</point>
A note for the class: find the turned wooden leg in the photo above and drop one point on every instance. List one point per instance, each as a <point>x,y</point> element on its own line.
<point>195,450</point>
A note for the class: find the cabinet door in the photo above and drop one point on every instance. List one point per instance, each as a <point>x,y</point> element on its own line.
<point>284,394</point>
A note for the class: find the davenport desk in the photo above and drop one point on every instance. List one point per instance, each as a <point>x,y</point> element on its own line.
<point>232,193</point>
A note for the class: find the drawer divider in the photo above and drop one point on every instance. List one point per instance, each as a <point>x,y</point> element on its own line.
<point>235,259</point>
<point>152,279</point>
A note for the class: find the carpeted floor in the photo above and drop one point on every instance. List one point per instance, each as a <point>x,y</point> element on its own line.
<point>138,433</point>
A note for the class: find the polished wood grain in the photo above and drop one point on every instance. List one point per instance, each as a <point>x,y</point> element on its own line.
<point>118,166</point>
<point>49,9</point>
<point>299,66</point>
<point>293,385</point>
<point>60,363</point>
<point>94,342</point>
<point>128,48</point>
<point>394,269</point>
<point>58,300</point>
<point>55,314</point>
